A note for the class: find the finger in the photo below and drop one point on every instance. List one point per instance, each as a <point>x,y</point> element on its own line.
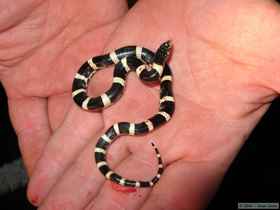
<point>138,166</point>
<point>29,116</point>
<point>69,139</point>
<point>58,107</point>
<point>82,181</point>
<point>63,148</point>
<point>185,185</point>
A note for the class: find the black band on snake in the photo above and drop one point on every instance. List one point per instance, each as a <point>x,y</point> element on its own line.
<point>149,66</point>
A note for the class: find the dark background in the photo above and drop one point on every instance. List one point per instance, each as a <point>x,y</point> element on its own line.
<point>253,176</point>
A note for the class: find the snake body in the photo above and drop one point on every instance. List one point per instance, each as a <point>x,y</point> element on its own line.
<point>149,66</point>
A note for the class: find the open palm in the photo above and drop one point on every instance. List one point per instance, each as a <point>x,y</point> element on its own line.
<point>221,91</point>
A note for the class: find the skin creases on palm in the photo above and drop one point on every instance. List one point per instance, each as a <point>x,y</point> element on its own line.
<point>39,57</point>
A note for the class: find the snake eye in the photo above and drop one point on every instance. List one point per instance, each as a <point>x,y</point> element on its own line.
<point>168,44</point>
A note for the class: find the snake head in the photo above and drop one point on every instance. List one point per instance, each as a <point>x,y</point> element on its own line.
<point>163,52</point>
<point>166,46</point>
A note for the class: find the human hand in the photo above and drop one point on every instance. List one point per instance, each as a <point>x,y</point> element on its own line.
<point>38,41</point>
<point>225,76</point>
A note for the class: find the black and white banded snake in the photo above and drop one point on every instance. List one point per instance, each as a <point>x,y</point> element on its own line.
<point>149,67</point>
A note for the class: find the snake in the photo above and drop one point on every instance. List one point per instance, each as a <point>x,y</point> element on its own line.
<point>150,67</point>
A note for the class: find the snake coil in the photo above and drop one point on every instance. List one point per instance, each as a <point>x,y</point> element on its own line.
<point>148,66</point>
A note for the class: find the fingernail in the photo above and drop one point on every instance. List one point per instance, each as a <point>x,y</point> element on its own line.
<point>35,200</point>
